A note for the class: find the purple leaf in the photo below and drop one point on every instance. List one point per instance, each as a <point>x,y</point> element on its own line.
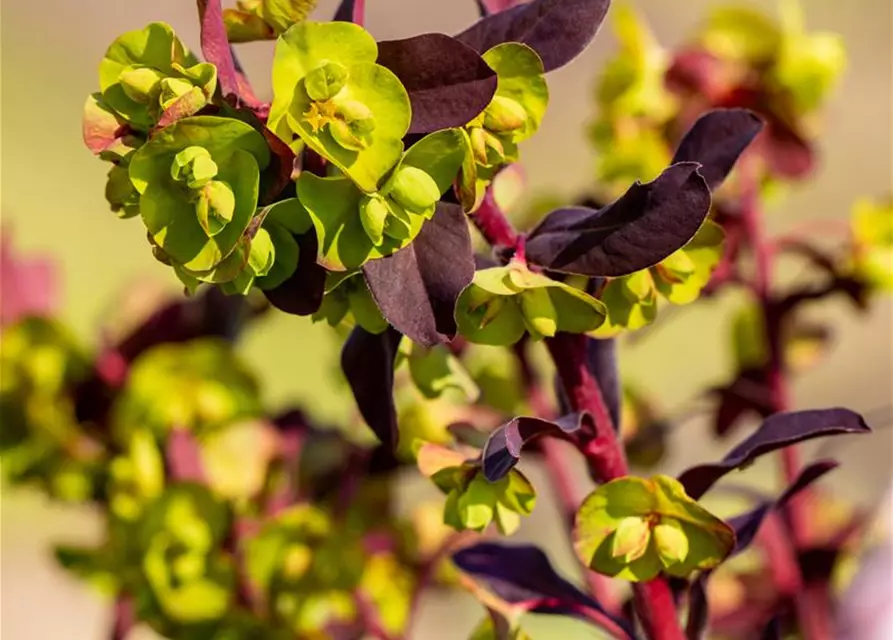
<point>216,47</point>
<point>716,140</point>
<point>746,527</point>
<point>351,11</point>
<point>417,287</point>
<point>523,576</point>
<point>776,432</point>
<point>368,364</point>
<point>448,81</point>
<point>302,293</point>
<point>503,448</point>
<point>601,358</point>
<point>644,226</point>
<point>558,30</point>
<point>747,394</point>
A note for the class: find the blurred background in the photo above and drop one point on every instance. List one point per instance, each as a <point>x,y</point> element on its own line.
<point>52,200</point>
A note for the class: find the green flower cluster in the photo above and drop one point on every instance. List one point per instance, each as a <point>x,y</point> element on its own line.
<point>513,115</point>
<point>872,228</point>
<point>633,528</point>
<point>41,441</point>
<point>505,302</point>
<point>472,501</point>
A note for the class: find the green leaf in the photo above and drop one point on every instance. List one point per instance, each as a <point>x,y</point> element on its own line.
<point>333,205</point>
<point>91,565</point>
<point>681,276</point>
<point>626,310</point>
<point>436,370</point>
<point>222,137</point>
<point>477,504</point>
<point>749,337</point>
<point>282,14</point>
<point>285,252</point>
<point>872,229</point>
<point>520,77</point>
<point>236,458</point>
<point>741,33</point>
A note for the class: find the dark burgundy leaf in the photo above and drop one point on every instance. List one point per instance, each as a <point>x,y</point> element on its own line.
<point>417,287</point>
<point>183,457</point>
<point>211,313</point>
<point>216,47</point>
<point>368,364</point>
<point>644,226</point>
<point>746,527</point>
<point>448,81</point>
<point>773,630</point>
<point>522,575</point>
<point>350,11</point>
<point>302,293</point>
<point>277,176</point>
<point>558,30</point>
<point>716,140</point>
<point>503,448</point>
<point>601,358</point>
<point>776,432</point>
<point>747,394</point>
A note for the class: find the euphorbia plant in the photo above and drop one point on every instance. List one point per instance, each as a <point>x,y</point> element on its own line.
<point>349,198</point>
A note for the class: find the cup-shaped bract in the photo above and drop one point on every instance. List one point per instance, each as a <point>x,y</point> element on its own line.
<point>146,71</point>
<point>635,528</point>
<point>198,181</point>
<point>354,227</point>
<point>502,303</point>
<point>329,93</point>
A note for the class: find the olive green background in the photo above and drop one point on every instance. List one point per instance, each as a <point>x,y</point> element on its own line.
<point>52,198</point>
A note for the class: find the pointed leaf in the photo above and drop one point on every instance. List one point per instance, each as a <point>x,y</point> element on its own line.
<point>503,448</point>
<point>368,364</point>
<point>716,140</point>
<point>558,30</point>
<point>778,431</point>
<point>448,82</point>
<point>416,288</point>
<point>522,575</point>
<point>647,224</point>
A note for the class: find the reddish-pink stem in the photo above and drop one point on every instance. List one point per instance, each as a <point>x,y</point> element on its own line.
<point>811,603</point>
<point>654,602</point>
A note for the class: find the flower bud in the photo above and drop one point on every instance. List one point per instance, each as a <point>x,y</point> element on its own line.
<point>677,266</point>
<point>638,286</point>
<point>487,149</point>
<point>173,88</point>
<point>357,115</point>
<point>670,541</point>
<point>504,114</point>
<point>484,306</point>
<point>140,84</point>
<point>215,206</point>
<point>373,215</point>
<point>346,137</point>
<point>631,539</point>
<point>194,166</point>
<point>414,190</point>
<point>539,313</point>
<point>325,81</point>
<point>262,254</point>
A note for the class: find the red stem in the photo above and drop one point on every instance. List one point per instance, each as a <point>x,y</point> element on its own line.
<point>812,602</point>
<point>653,602</point>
